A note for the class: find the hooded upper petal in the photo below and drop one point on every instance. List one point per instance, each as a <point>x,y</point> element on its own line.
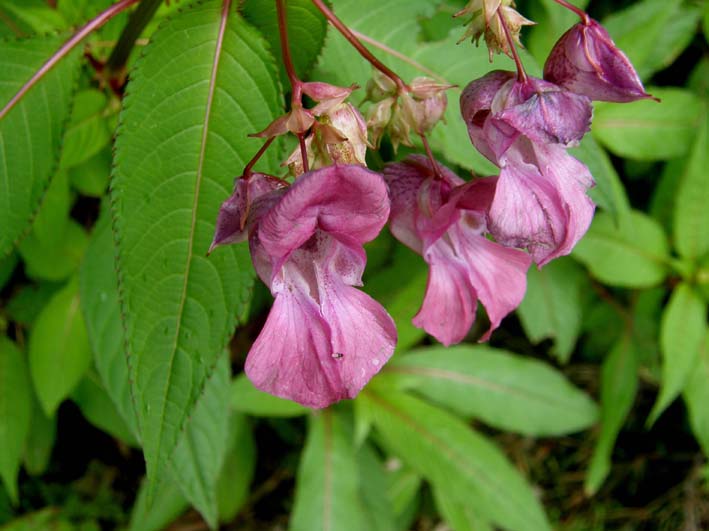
<point>585,60</point>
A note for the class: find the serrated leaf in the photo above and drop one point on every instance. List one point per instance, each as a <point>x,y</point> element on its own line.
<point>15,412</point>
<point>696,396</point>
<point>203,83</point>
<point>634,254</point>
<point>452,456</point>
<point>682,329</point>
<point>503,390</point>
<point>552,305</point>
<point>31,134</point>
<point>306,32</point>
<point>59,351</point>
<point>327,486</point>
<point>245,398</point>
<point>619,381</point>
<point>691,216</point>
<point>646,129</point>
<point>238,469</point>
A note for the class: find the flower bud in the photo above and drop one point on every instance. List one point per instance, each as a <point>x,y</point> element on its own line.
<point>328,96</point>
<point>585,60</point>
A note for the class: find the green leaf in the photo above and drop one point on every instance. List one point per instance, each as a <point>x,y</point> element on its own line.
<point>373,487</point>
<point>31,134</point>
<point>167,505</point>
<point>238,469</point>
<point>403,492</point>
<point>458,515</point>
<point>7,267</point>
<point>503,390</point>
<point>453,457</point>
<point>48,518</point>
<point>696,396</point>
<point>551,23</point>
<point>653,33</point>
<point>202,446</point>
<point>681,333</point>
<point>55,259</point>
<point>32,16</point>
<point>50,224</point>
<point>59,351</point>
<point>98,408</point>
<point>691,217</point>
<point>245,398</point>
<point>306,32</point>
<point>91,176</point>
<point>40,441</point>
<point>173,169</point>
<point>29,301</point>
<point>327,485</point>
<point>15,413</point>
<point>619,381</point>
<point>648,130</point>
<point>552,305</point>
<point>634,254</point>
<point>98,284</point>
<point>88,129</point>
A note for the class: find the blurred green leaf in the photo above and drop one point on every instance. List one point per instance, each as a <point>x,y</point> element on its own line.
<point>15,413</point>
<point>167,504</point>
<point>633,255</point>
<point>373,487</point>
<point>7,267</point>
<point>503,390</point>
<point>453,457</point>
<point>552,21</point>
<point>48,518</point>
<point>682,330</point>
<point>33,16</point>
<point>50,224</point>
<point>91,176</point>
<point>696,396</point>
<point>403,492</point>
<point>619,382</point>
<point>40,441</point>
<point>458,515</point>
<point>88,129</point>
<point>648,130</point>
<point>664,196</point>
<point>30,146</point>
<point>245,398</point>
<point>327,484</point>
<point>691,215</point>
<point>28,301</point>
<point>59,351</point>
<point>173,170</point>
<point>238,469</point>
<point>55,259</point>
<point>552,305</point>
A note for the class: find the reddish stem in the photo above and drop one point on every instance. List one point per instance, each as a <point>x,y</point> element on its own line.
<point>296,83</point>
<point>255,159</point>
<point>429,154</point>
<point>521,74</point>
<point>580,12</point>
<point>354,41</point>
<point>67,47</point>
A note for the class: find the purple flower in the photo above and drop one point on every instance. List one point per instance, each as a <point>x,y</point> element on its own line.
<point>444,220</point>
<point>540,200</point>
<point>323,339</point>
<point>585,60</point>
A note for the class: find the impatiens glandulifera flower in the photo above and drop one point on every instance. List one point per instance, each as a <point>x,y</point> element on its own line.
<point>585,60</point>
<point>524,127</point>
<point>486,20</point>
<point>323,339</point>
<point>444,220</point>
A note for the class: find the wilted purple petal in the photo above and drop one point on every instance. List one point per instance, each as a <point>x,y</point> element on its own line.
<point>585,60</point>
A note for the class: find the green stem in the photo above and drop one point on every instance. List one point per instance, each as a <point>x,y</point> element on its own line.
<point>136,24</point>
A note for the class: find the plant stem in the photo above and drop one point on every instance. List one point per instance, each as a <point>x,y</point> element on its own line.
<point>429,154</point>
<point>67,47</point>
<point>255,159</point>
<point>521,74</point>
<point>136,24</point>
<point>296,84</point>
<point>363,51</point>
<point>580,12</point>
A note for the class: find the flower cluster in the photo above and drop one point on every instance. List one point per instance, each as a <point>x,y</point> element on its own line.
<point>324,338</point>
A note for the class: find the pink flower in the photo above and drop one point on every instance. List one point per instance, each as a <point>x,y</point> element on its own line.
<point>524,127</point>
<point>444,220</point>
<point>323,339</point>
<point>585,60</point>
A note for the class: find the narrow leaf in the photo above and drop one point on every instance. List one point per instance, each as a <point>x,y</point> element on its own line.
<point>245,398</point>
<point>681,333</point>
<point>40,441</point>
<point>205,81</point>
<point>503,390</point>
<point>15,412</point>
<point>238,469</point>
<point>696,396</point>
<point>458,515</point>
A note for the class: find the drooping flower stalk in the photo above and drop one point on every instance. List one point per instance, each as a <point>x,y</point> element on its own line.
<point>571,7</point>
<point>521,73</point>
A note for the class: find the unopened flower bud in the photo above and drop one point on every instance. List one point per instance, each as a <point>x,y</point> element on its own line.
<point>585,60</point>
<point>380,87</point>
<point>297,121</point>
<point>378,118</point>
<point>328,96</point>
<point>431,102</point>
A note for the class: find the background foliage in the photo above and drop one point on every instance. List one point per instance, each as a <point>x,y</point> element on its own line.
<point>122,401</point>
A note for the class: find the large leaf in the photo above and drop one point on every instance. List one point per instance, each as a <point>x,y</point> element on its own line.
<point>204,82</point>
<point>633,254</point>
<point>31,134</point>
<point>327,489</point>
<point>619,381</point>
<point>691,216</point>
<point>696,396</point>
<point>648,130</point>
<point>59,350</point>
<point>503,390</point>
<point>453,457</point>
<point>681,333</point>
<point>373,488</point>
<point>245,398</point>
<point>15,412</point>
